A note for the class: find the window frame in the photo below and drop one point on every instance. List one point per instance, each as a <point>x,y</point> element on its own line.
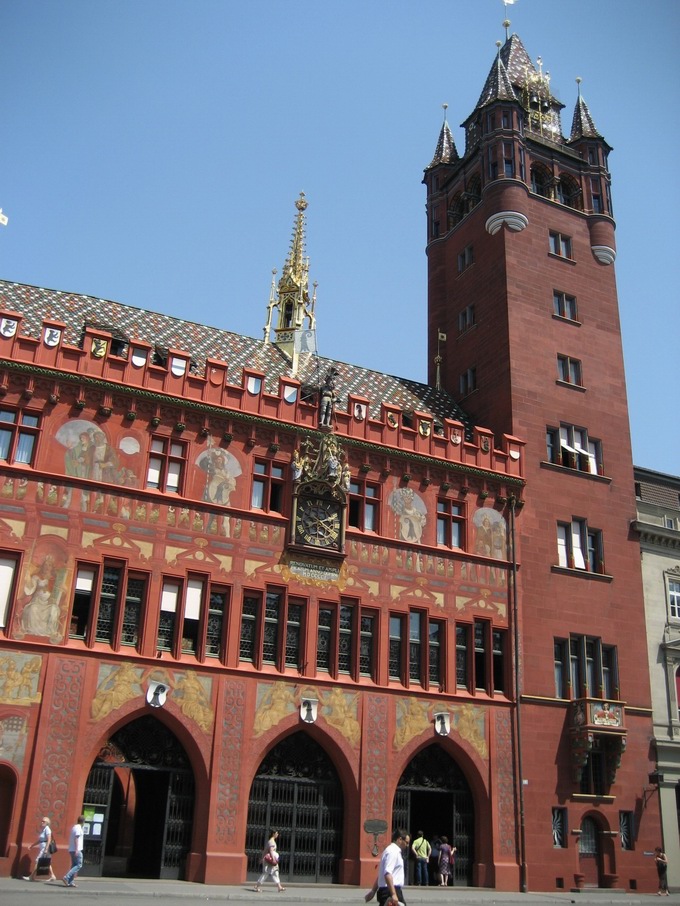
<point>167,457</point>
<point>348,639</point>
<point>571,447</point>
<point>467,381</point>
<point>466,318</point>
<point>9,569</point>
<point>268,619</point>
<point>91,589</point>
<point>450,525</point>
<point>466,258</point>
<point>589,668</point>
<point>269,477</point>
<point>560,245</point>
<point>580,547</point>
<point>18,431</point>
<point>673,597</point>
<point>565,306</point>
<point>364,505</point>
<point>569,370</point>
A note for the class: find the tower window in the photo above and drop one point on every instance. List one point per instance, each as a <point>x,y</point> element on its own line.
<point>579,546</point>
<point>569,370</point>
<point>468,381</point>
<point>560,245</point>
<point>466,318</point>
<point>564,305</point>
<point>572,448</point>
<point>465,259</point>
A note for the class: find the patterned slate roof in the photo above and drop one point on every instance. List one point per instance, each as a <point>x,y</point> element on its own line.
<point>445,152</point>
<point>163,331</point>
<point>582,125</point>
<point>498,86</point>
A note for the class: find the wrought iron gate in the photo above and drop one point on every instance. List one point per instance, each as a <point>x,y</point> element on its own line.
<point>433,771</point>
<point>297,792</point>
<point>141,751</point>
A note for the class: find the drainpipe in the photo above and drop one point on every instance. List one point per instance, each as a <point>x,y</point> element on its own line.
<point>512,500</point>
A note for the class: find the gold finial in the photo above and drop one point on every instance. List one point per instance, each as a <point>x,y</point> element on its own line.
<point>445,107</point>
<point>301,203</point>
<point>578,83</point>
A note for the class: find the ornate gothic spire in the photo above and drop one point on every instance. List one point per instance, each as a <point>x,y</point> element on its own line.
<point>291,297</point>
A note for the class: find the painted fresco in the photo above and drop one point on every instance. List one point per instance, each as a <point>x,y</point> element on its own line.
<point>411,513</point>
<point>19,677</point>
<point>43,592</point>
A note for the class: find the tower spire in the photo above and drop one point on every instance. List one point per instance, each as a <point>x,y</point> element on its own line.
<point>295,328</point>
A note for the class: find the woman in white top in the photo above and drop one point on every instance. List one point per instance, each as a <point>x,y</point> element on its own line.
<point>270,864</point>
<point>43,844</point>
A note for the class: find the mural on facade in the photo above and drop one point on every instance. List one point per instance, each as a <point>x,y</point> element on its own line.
<point>192,694</point>
<point>117,685</point>
<point>120,683</point>
<point>413,718</point>
<point>469,721</point>
<point>274,702</point>
<point>42,605</point>
<point>89,454</point>
<point>19,675</point>
<point>340,710</point>
<point>411,513</point>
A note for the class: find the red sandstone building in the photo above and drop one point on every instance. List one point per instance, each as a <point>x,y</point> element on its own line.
<point>244,587</point>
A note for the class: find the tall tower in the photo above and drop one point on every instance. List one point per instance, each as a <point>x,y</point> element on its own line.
<point>521,282</point>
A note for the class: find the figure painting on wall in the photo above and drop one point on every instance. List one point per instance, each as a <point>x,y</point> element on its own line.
<point>490,541</point>
<point>89,455</point>
<point>43,587</point>
<point>412,512</point>
<point>221,471</point>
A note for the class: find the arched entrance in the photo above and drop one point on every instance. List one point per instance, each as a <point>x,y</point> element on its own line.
<point>297,792</point>
<point>589,853</point>
<point>139,804</point>
<point>8,787</point>
<point>433,796</point>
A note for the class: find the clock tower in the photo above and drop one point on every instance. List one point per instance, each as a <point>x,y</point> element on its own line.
<point>523,332</point>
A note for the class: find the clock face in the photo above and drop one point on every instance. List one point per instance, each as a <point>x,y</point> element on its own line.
<point>317,523</point>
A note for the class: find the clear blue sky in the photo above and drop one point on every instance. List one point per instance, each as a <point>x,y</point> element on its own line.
<point>152,151</point>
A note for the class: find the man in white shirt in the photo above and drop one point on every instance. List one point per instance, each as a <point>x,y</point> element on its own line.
<point>391,871</point>
<point>75,851</point>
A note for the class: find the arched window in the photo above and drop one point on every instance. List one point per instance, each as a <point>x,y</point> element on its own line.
<point>568,192</point>
<point>540,180</point>
<point>456,211</point>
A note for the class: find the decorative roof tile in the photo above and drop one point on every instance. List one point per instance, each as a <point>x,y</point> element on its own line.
<point>203,342</point>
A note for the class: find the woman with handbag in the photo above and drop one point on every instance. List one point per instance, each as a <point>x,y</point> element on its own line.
<point>43,860</point>
<point>270,864</point>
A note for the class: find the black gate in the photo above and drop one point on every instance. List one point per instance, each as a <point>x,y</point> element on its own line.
<point>433,796</point>
<point>297,792</point>
<point>139,802</point>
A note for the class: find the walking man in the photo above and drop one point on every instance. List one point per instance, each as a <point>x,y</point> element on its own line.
<point>391,871</point>
<point>75,850</point>
<point>421,849</point>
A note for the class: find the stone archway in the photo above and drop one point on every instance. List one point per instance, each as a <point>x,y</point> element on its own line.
<point>139,804</point>
<point>297,791</point>
<point>433,795</point>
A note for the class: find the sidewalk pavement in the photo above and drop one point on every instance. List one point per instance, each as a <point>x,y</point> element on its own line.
<point>115,889</point>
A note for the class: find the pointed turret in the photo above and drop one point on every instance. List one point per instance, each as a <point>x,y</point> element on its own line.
<point>445,152</point>
<point>291,297</point>
<point>498,86</point>
<point>582,125</point>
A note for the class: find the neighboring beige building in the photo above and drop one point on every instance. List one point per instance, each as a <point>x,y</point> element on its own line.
<point>658,524</point>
